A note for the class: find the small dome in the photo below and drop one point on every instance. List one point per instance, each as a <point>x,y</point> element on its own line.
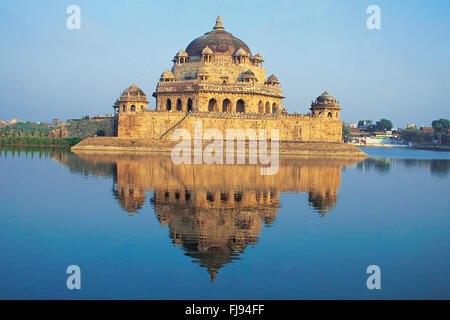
<point>133,90</point>
<point>241,52</point>
<point>167,75</point>
<point>257,57</point>
<point>325,100</point>
<point>249,74</point>
<point>325,97</point>
<point>207,50</point>
<point>272,79</point>
<point>182,53</point>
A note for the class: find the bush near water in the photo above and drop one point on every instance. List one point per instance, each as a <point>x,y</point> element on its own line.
<point>39,141</point>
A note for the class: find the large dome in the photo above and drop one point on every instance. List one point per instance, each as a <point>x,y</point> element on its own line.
<point>222,43</point>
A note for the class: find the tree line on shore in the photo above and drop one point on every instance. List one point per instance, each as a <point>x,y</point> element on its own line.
<point>382,125</point>
<point>21,129</point>
<point>39,141</point>
<point>33,134</point>
<point>439,133</point>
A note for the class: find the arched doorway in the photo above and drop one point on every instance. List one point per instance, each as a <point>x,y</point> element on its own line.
<point>240,106</point>
<point>226,105</point>
<point>299,132</point>
<point>133,108</point>
<point>178,104</point>
<point>330,115</point>
<point>238,196</point>
<point>260,107</point>
<point>212,105</point>
<point>168,105</point>
<point>267,107</point>
<point>189,104</point>
<point>274,108</point>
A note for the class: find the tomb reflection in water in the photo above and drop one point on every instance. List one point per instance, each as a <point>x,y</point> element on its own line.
<point>213,212</point>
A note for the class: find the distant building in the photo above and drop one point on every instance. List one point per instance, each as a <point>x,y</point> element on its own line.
<point>14,121</point>
<point>55,133</point>
<point>356,131</point>
<point>426,129</point>
<point>56,123</point>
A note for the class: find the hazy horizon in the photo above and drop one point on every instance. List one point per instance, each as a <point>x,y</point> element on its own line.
<point>399,72</point>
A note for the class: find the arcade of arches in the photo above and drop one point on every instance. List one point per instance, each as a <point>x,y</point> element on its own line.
<point>221,105</point>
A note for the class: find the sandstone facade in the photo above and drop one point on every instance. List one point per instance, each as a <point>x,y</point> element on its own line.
<point>218,81</point>
<point>291,127</point>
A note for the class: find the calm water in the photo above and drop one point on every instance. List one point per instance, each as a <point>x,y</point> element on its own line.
<point>141,227</point>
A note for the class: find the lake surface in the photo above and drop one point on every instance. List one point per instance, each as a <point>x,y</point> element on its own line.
<point>141,227</point>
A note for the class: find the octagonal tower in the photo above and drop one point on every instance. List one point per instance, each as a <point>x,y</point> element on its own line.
<point>132,100</point>
<point>325,105</point>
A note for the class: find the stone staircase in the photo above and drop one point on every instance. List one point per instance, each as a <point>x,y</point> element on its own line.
<point>175,125</point>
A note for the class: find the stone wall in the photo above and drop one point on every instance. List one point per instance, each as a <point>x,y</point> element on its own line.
<point>84,128</point>
<point>154,124</point>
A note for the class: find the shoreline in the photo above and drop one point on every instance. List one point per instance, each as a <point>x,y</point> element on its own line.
<point>129,145</point>
<point>426,148</point>
<point>59,146</point>
<point>31,141</point>
<point>432,148</point>
<point>383,146</point>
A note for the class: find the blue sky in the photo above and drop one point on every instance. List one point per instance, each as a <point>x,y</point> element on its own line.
<point>401,72</point>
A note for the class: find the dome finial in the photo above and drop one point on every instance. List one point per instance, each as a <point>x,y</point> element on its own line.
<point>213,275</point>
<point>219,25</point>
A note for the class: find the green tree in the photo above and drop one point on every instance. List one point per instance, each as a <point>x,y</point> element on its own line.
<point>361,122</point>
<point>441,127</point>
<point>371,128</point>
<point>384,125</point>
<point>412,135</point>
<point>428,136</point>
<point>345,132</point>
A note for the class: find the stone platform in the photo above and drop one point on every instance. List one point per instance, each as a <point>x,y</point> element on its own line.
<point>115,144</point>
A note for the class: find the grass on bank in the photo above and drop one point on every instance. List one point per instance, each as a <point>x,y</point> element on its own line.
<point>40,141</point>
